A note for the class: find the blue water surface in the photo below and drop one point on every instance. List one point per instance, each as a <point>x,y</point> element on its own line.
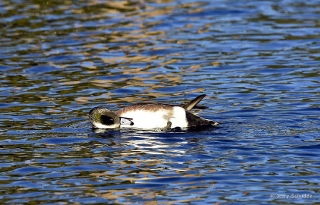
<point>257,62</point>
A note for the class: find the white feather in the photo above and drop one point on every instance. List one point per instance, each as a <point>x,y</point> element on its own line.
<point>102,126</point>
<point>144,119</point>
<point>179,118</point>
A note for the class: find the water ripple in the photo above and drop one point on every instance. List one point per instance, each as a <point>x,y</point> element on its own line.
<point>256,61</point>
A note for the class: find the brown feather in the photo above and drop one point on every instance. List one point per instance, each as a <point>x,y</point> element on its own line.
<point>152,107</point>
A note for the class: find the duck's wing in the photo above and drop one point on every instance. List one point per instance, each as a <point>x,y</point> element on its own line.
<point>143,106</point>
<point>193,103</point>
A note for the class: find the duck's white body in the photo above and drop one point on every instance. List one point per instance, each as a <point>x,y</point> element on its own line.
<point>145,119</point>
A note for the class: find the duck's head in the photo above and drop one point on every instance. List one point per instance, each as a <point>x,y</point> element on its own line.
<point>103,118</point>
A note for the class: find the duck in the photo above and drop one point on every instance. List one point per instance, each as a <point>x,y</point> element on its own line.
<point>149,116</point>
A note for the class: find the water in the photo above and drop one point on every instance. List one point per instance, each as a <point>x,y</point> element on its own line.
<point>257,61</point>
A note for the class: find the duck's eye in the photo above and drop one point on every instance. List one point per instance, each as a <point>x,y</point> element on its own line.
<point>106,120</point>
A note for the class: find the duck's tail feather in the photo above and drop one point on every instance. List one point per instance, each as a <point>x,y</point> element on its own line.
<point>193,103</point>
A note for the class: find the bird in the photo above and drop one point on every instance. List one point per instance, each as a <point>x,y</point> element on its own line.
<point>149,116</point>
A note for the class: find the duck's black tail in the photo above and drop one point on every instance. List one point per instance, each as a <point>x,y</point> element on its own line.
<point>193,103</point>
<point>196,121</point>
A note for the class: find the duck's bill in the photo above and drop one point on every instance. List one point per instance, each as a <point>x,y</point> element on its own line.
<point>126,121</point>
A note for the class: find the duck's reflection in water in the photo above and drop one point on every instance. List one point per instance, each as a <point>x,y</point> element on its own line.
<point>146,159</point>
